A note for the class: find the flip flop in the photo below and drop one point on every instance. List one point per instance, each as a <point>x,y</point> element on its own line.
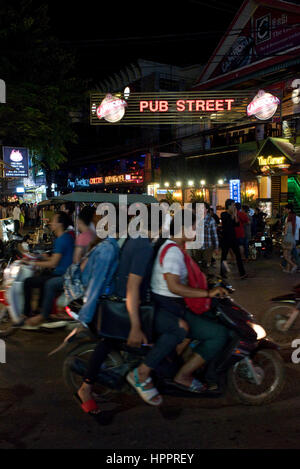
<point>146,394</point>
<point>87,406</point>
<point>195,387</point>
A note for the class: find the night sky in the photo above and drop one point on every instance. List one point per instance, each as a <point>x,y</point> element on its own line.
<point>111,35</point>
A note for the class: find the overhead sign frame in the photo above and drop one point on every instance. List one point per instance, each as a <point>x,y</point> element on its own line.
<point>189,107</point>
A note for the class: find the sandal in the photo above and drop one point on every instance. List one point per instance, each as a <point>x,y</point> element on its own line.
<point>146,394</point>
<point>195,387</point>
<point>88,406</point>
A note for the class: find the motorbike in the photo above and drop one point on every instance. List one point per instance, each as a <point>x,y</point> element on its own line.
<point>260,245</point>
<point>12,297</point>
<point>250,368</point>
<point>282,320</point>
<point>9,251</point>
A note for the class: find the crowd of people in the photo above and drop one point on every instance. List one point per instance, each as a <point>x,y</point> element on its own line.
<point>137,269</point>
<point>23,214</point>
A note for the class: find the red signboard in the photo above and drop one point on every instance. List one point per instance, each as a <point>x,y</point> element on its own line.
<point>269,32</point>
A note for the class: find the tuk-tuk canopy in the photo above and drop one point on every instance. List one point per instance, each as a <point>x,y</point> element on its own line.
<point>97,197</point>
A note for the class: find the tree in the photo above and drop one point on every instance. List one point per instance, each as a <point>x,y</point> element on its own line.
<point>41,91</point>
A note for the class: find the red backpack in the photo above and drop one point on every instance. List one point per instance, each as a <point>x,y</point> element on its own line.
<point>196,279</point>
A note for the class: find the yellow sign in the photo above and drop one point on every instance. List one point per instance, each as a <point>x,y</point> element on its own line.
<point>270,161</point>
<point>115,179</point>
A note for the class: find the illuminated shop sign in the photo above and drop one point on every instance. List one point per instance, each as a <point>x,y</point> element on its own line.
<point>78,183</point>
<point>183,107</point>
<point>96,180</point>
<point>235,189</point>
<point>118,179</point>
<point>270,161</point>
<point>263,106</point>
<point>16,158</point>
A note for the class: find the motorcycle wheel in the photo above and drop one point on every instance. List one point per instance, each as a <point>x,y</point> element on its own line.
<point>270,368</point>
<point>274,320</point>
<point>84,352</point>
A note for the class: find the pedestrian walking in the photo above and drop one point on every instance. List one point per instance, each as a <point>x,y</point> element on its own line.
<point>240,230</point>
<point>229,241</point>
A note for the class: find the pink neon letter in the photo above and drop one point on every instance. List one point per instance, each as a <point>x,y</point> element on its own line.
<point>163,106</point>
<point>180,105</point>
<point>229,103</point>
<point>143,105</point>
<point>220,105</point>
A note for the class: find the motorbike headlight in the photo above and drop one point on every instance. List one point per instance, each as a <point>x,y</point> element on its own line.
<point>260,332</point>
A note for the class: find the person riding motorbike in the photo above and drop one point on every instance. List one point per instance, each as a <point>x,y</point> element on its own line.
<point>50,283</point>
<point>86,236</point>
<point>169,289</point>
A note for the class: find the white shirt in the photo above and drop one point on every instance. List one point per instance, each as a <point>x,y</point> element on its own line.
<point>16,213</point>
<point>173,263</point>
<point>297,228</point>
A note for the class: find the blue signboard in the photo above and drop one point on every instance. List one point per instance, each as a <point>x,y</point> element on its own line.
<point>16,158</point>
<point>235,189</point>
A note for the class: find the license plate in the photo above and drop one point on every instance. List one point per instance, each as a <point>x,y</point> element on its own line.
<point>258,245</point>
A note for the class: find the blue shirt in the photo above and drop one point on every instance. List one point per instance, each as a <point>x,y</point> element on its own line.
<point>136,258</point>
<point>63,245</point>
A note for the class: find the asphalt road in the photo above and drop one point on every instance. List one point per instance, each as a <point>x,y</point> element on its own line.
<point>37,410</point>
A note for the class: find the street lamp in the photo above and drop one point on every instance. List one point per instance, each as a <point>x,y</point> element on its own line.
<point>202,182</point>
<point>167,184</point>
<point>178,184</point>
<point>191,183</point>
<point>220,181</point>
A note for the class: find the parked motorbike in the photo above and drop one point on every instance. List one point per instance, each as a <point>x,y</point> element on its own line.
<point>249,368</point>
<point>282,321</point>
<point>260,245</point>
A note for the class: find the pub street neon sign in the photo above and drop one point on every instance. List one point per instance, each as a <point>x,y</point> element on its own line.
<point>236,106</point>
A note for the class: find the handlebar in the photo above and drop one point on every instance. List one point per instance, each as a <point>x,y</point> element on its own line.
<point>222,284</point>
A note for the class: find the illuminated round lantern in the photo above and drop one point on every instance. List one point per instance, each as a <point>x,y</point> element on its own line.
<point>112,108</point>
<point>263,106</point>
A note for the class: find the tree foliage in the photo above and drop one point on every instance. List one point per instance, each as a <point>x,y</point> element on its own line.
<point>41,90</point>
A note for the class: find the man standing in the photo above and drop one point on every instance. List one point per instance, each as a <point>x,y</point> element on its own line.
<point>32,215</point>
<point>16,217</point>
<point>229,241</point>
<point>211,241</point>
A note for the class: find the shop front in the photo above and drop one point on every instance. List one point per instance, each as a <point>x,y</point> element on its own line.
<point>277,169</point>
